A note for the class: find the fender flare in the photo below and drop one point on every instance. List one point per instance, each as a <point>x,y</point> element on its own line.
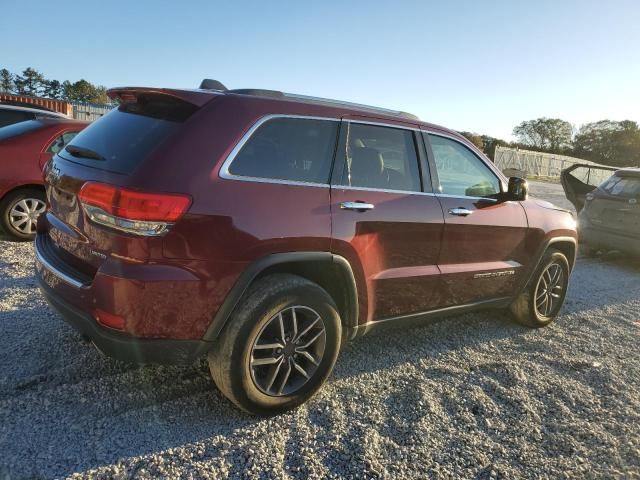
<point>543,248</point>
<point>257,267</point>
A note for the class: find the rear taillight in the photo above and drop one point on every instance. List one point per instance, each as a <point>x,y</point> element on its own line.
<point>139,213</point>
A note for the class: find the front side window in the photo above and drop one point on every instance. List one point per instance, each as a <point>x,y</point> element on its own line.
<point>61,141</point>
<point>294,149</point>
<point>382,158</point>
<point>461,172</point>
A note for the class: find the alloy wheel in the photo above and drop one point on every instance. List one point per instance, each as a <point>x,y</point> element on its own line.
<point>287,351</point>
<point>24,215</point>
<point>548,294</point>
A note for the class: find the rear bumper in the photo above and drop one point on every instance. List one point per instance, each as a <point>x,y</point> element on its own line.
<point>122,346</point>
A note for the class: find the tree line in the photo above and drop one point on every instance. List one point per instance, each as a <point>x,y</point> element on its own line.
<point>609,142</point>
<point>32,83</point>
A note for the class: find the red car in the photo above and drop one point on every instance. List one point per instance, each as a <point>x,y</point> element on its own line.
<point>267,229</point>
<point>25,147</point>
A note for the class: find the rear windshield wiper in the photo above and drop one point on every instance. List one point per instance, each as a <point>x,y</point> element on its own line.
<point>83,152</point>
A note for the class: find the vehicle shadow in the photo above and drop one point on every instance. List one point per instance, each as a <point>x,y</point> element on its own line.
<point>65,408</point>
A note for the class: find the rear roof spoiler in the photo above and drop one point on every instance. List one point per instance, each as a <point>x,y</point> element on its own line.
<point>194,97</point>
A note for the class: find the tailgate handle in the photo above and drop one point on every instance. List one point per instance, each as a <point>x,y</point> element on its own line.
<point>356,206</point>
<point>460,212</point>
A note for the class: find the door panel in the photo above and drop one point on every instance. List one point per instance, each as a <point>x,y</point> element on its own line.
<point>396,244</point>
<point>482,254</point>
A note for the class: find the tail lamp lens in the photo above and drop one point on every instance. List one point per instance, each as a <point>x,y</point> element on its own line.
<point>132,210</point>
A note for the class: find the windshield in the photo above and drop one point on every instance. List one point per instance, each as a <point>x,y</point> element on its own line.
<point>20,128</point>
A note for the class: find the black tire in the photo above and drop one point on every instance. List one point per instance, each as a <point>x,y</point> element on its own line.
<point>524,307</point>
<point>7,204</point>
<point>229,361</point>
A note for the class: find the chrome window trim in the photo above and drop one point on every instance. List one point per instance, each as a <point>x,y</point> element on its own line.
<point>383,190</point>
<point>382,124</point>
<point>227,175</point>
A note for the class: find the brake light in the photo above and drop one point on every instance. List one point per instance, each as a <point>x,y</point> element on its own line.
<point>142,213</point>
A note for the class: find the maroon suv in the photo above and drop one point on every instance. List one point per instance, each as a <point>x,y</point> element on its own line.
<point>266,229</point>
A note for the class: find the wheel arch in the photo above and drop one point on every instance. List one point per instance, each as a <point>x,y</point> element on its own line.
<point>25,186</point>
<point>567,245</point>
<point>331,272</point>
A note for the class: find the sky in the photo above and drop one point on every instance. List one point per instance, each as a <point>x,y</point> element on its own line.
<point>480,66</point>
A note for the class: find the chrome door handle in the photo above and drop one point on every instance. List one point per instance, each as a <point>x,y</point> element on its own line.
<point>357,206</point>
<point>460,212</point>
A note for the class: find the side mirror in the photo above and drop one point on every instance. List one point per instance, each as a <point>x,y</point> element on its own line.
<point>518,189</point>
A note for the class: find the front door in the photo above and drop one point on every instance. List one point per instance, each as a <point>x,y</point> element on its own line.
<point>385,221</point>
<point>483,246</point>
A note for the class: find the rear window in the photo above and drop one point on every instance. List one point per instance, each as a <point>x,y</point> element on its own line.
<point>295,149</point>
<point>619,186</point>
<point>124,137</point>
<point>16,129</point>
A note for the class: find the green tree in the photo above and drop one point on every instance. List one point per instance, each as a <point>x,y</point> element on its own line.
<point>80,91</point>
<point>53,89</point>
<point>609,142</point>
<point>474,138</point>
<point>550,134</point>
<point>6,81</point>
<point>490,144</point>
<point>101,95</point>
<point>84,91</point>
<point>31,82</point>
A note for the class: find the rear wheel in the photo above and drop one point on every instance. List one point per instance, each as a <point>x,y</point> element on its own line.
<point>279,345</point>
<point>19,211</point>
<point>541,301</point>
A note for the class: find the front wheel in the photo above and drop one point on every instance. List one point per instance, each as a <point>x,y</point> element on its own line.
<point>279,345</point>
<point>542,299</point>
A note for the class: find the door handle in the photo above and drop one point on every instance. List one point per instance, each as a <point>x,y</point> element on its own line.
<point>356,206</point>
<point>460,212</point>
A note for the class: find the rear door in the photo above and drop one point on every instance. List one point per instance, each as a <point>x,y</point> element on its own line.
<point>483,244</point>
<point>385,219</point>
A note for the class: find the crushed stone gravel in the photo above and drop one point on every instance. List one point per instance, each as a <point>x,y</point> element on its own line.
<point>474,396</point>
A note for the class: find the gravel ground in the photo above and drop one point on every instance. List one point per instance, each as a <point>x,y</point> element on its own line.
<point>474,396</point>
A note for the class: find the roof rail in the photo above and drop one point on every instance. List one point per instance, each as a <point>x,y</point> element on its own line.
<point>359,106</point>
<point>320,101</point>
<point>258,92</point>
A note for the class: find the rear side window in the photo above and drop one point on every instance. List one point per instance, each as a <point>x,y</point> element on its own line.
<point>127,135</point>
<point>622,186</point>
<point>382,158</point>
<point>295,149</point>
